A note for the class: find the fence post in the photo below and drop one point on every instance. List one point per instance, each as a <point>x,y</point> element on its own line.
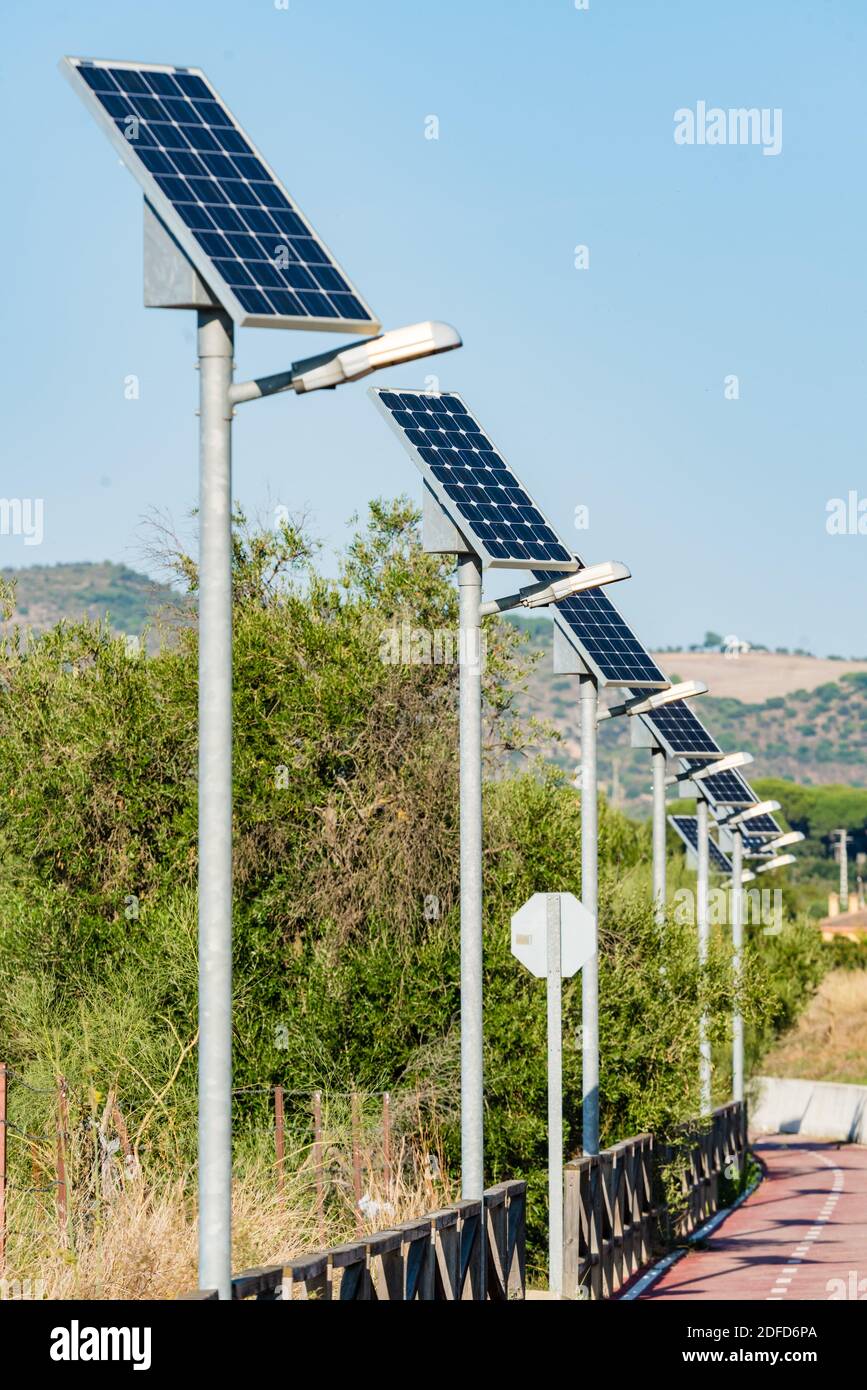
<point>317,1164</point>
<point>356,1164</point>
<point>62,1127</point>
<point>386,1143</point>
<point>2,1169</point>
<point>279,1131</point>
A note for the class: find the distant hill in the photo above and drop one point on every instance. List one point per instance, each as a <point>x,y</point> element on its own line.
<point>798,724</point>
<point>45,594</point>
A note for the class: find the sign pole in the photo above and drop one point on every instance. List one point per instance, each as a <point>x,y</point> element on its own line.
<point>554,936</point>
<point>589,870</point>
<point>703,944</point>
<point>737,915</point>
<point>555,1099</point>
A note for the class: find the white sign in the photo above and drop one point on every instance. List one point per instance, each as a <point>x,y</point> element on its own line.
<point>530,934</point>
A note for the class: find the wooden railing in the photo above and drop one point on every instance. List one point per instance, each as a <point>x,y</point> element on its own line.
<point>433,1258</point>
<point>629,1201</point>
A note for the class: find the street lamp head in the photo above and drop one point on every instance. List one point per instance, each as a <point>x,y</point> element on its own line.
<point>590,577</point>
<point>726,764</point>
<point>792,837</point>
<point>388,349</point>
<point>685,690</point>
<point>761,808</point>
<point>779,862</point>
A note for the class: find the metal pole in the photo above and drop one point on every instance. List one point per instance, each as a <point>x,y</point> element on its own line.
<point>703,942</point>
<point>215,803</point>
<point>472,1115</point>
<point>844,873</point>
<point>589,897</point>
<point>738,943</point>
<point>657,756</point>
<point>555,1101</point>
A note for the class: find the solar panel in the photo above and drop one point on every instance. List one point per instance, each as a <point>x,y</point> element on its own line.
<point>605,640</point>
<point>219,199</point>
<point>761,825</point>
<point>755,845</point>
<point>471,481</point>
<point>680,731</point>
<point>687,829</point>
<point>722,788</point>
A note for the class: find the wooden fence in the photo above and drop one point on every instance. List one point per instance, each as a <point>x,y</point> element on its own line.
<point>436,1258</point>
<point>623,1204</point>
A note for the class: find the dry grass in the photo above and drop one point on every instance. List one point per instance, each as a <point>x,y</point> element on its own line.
<point>134,1236</point>
<point>829,1041</point>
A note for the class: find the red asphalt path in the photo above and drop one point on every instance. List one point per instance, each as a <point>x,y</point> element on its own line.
<point>803,1228</point>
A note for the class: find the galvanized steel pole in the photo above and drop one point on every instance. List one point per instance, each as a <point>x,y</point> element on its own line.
<point>215,347</point>
<point>657,756</point>
<point>588,700</point>
<point>737,913</point>
<point>703,943</point>
<point>555,1098</point>
<point>472,1084</point>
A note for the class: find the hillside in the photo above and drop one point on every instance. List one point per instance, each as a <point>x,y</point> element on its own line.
<point>827,1042</point>
<point>813,732</point>
<point>45,594</point>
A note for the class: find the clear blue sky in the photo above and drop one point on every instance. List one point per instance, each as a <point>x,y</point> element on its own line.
<point>603,387</point>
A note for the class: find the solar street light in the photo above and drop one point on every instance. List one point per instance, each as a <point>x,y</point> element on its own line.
<point>669,730</point>
<point>592,641</point>
<point>476,509</point>
<point>223,237</point>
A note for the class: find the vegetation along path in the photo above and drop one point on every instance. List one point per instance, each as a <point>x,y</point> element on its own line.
<point>801,1235</point>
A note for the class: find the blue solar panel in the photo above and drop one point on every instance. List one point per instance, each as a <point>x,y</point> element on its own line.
<point>605,640</point>
<point>755,845</point>
<point>247,238</point>
<point>680,731</point>
<point>764,825</point>
<point>722,788</point>
<point>471,480</point>
<point>687,829</point>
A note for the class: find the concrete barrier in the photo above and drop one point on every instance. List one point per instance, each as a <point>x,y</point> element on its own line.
<point>820,1109</point>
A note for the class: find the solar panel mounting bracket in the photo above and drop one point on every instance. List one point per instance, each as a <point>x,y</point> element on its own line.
<point>567,659</point>
<point>439,535</point>
<point>641,736</point>
<point>171,281</point>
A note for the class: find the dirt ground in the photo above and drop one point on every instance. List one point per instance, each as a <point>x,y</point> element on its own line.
<point>756,676</point>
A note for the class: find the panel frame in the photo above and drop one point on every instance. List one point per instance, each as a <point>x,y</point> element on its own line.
<point>70,68</point>
<point>475,545</point>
